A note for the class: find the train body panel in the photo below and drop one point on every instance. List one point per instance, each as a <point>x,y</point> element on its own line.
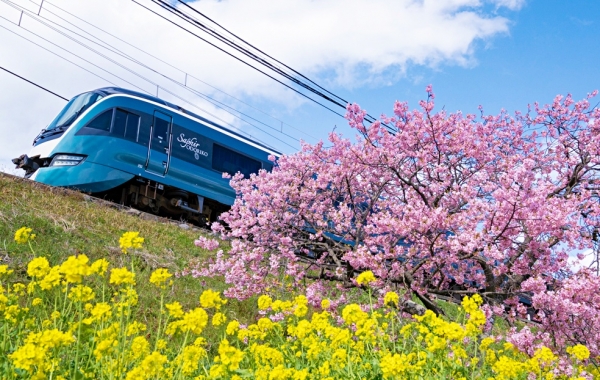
<point>120,138</point>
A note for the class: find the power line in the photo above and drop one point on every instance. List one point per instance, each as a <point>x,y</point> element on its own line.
<point>35,84</point>
<point>160,60</point>
<point>189,19</point>
<point>107,46</point>
<point>239,59</point>
<point>54,53</point>
<point>257,49</point>
<point>133,72</point>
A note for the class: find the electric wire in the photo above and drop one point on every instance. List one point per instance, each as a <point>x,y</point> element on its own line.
<point>60,47</point>
<point>54,53</point>
<point>46,10</point>
<point>165,5</point>
<point>35,84</point>
<point>257,49</point>
<point>208,98</point>
<point>27,12</point>
<point>193,105</point>
<point>239,59</point>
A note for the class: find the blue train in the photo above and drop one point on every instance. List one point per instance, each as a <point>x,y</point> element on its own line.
<point>143,152</point>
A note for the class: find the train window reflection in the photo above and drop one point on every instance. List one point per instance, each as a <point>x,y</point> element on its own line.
<point>133,125</point>
<point>226,160</point>
<point>73,109</point>
<point>119,124</point>
<point>102,121</point>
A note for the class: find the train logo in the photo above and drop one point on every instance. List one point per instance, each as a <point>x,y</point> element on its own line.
<point>191,144</point>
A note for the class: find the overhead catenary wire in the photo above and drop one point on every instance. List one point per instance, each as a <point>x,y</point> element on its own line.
<point>187,74</point>
<point>198,93</point>
<point>166,5</point>
<point>191,20</point>
<point>193,105</point>
<point>239,59</point>
<point>135,73</point>
<point>35,84</point>
<point>54,53</point>
<point>257,49</point>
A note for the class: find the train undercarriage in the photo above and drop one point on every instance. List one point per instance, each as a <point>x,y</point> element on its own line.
<point>163,200</point>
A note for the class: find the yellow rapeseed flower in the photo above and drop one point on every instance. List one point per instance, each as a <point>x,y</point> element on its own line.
<point>300,310</point>
<point>130,240</point>
<point>189,358</point>
<point>391,299</point>
<point>52,279</point>
<point>135,327</point>
<point>325,304</point>
<point>159,277</point>
<point>4,271</point>
<point>24,235</point>
<point>264,302</point>
<point>175,310</point>
<point>218,319</point>
<point>352,313</point>
<point>230,356</point>
<point>120,276</point>
<point>579,351</point>
<point>81,293</point>
<point>75,268</point>
<point>232,327</point>
<point>365,278</point>
<point>194,321</point>
<point>139,347</point>
<point>38,267</point>
<point>99,267</point>
<point>210,299</point>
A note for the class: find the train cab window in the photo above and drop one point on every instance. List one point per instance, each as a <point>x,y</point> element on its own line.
<point>102,121</point>
<point>226,160</point>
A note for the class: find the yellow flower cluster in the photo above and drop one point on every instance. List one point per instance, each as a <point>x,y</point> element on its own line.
<point>70,321</point>
<point>23,235</point>
<point>365,278</point>
<point>130,240</point>
<point>159,277</point>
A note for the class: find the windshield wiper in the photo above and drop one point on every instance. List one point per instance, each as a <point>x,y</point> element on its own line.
<point>72,118</point>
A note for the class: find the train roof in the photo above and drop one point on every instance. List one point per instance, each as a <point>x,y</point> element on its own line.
<point>117,90</point>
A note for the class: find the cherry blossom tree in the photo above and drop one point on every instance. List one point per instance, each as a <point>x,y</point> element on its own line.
<point>439,204</point>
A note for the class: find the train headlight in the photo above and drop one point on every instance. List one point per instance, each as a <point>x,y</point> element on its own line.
<point>67,160</point>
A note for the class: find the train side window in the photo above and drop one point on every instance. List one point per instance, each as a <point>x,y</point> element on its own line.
<point>133,126</point>
<point>102,121</point>
<point>226,160</point>
<point>119,123</point>
<point>161,129</point>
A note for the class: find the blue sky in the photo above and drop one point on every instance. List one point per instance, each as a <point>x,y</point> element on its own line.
<point>552,47</point>
<point>494,53</point>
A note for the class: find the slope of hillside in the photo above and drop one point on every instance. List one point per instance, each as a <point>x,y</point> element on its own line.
<point>68,222</point>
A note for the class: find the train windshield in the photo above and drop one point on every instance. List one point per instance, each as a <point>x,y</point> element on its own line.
<point>73,109</point>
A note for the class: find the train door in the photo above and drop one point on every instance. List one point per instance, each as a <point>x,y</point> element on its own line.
<point>159,147</point>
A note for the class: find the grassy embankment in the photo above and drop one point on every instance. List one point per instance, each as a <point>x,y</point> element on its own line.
<point>68,223</point>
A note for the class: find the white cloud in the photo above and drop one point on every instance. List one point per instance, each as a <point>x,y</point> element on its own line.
<point>340,42</point>
<point>510,4</point>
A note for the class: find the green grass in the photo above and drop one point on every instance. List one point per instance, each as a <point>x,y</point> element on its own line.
<point>68,223</point>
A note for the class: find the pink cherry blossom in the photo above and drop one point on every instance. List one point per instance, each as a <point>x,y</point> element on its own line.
<point>436,203</point>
